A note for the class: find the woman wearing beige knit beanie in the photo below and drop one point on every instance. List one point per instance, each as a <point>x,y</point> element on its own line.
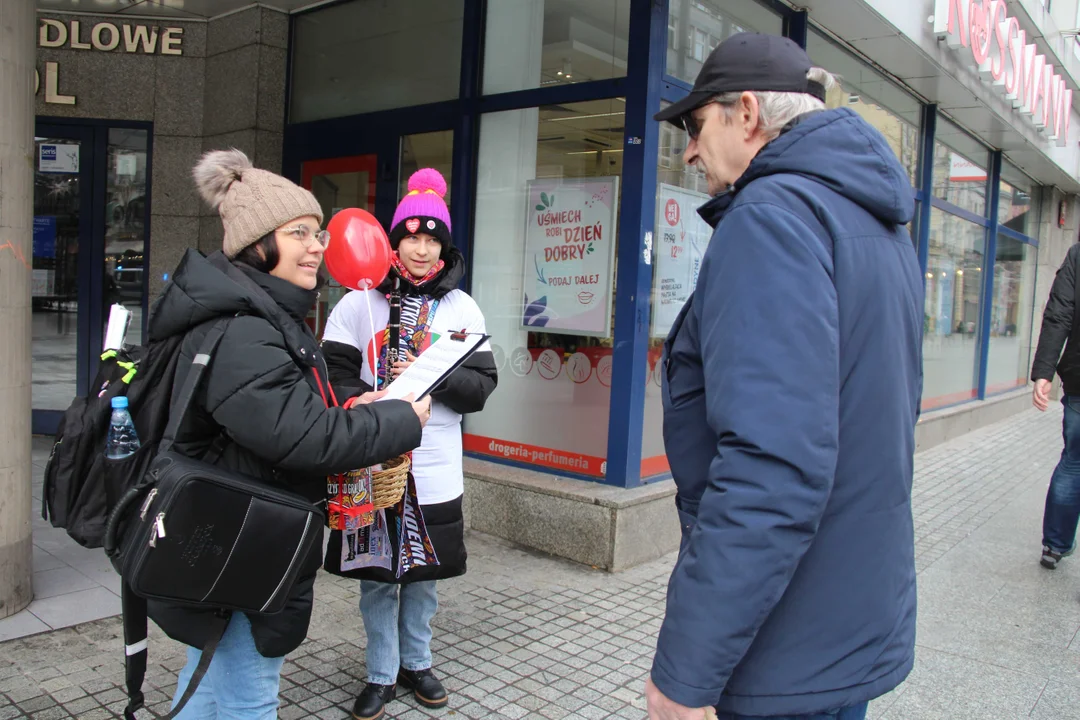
<point>265,407</point>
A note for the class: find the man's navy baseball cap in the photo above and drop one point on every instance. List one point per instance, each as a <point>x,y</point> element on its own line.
<point>747,62</point>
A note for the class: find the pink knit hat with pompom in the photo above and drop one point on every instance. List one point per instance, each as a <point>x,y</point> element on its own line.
<point>423,209</point>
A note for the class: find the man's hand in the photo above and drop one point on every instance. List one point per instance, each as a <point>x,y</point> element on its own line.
<point>660,708</point>
<point>1040,396</point>
<point>402,365</point>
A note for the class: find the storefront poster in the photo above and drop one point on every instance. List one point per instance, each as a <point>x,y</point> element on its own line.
<point>42,283</point>
<point>44,236</point>
<point>682,237</point>
<point>58,158</point>
<point>569,255</point>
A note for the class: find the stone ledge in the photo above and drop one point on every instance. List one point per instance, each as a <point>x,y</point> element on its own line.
<point>570,488</point>
<point>605,527</point>
<point>939,426</point>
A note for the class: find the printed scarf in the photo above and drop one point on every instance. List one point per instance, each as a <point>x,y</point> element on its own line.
<point>405,275</point>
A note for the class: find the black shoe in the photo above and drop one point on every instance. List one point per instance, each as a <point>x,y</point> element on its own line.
<point>372,701</point>
<point>1051,558</point>
<point>426,687</point>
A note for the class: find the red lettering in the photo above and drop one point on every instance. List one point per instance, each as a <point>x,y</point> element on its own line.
<point>1059,109</point>
<point>1066,107</point>
<point>1011,64</point>
<point>957,22</point>
<point>979,30</point>
<point>1040,105</point>
<point>1027,76</point>
<point>997,65</point>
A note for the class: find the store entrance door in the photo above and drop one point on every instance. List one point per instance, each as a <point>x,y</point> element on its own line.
<point>374,181</point>
<point>60,279</point>
<point>91,216</point>
<point>339,183</point>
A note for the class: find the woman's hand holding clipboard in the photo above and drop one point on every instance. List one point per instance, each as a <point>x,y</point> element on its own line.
<point>434,365</point>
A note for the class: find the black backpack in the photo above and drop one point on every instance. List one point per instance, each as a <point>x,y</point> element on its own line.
<point>80,487</point>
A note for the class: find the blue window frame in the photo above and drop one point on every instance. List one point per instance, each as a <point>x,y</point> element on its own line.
<point>644,87</point>
<point>796,26</point>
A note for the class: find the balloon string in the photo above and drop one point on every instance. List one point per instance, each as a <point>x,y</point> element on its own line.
<point>374,344</point>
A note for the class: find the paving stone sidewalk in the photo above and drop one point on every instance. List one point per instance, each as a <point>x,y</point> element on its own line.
<point>528,636</point>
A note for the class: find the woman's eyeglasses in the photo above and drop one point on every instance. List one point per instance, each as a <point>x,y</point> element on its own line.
<point>306,235</point>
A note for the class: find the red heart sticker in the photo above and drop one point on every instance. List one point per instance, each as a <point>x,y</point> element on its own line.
<point>412,224</point>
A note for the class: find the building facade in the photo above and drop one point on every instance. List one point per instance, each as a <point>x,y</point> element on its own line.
<point>573,208</point>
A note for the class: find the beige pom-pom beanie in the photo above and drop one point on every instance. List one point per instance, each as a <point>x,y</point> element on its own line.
<point>251,202</point>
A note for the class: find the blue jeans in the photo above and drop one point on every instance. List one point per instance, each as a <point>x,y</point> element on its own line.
<point>397,619</point>
<point>241,684</point>
<point>855,712</point>
<point>1063,497</point>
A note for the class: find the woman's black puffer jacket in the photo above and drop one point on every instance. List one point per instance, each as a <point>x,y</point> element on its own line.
<point>263,395</point>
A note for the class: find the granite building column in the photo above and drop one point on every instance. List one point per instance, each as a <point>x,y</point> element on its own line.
<point>17,56</point>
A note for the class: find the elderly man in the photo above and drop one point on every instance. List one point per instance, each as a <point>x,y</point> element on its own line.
<point>792,388</point>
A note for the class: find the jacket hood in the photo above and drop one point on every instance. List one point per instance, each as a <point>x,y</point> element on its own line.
<point>841,151</point>
<point>204,288</point>
<point>438,286</point>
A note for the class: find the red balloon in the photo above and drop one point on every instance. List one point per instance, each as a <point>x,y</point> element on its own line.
<point>358,255</point>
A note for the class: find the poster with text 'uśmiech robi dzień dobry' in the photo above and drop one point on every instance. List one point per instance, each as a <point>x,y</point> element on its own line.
<point>569,255</point>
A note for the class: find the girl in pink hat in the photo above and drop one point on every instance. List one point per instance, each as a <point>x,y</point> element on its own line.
<point>425,274</point>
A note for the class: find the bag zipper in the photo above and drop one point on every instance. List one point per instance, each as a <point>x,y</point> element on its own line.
<point>292,564</point>
<point>265,491</point>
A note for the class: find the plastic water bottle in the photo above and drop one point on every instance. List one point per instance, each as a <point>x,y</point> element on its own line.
<point>122,440</point>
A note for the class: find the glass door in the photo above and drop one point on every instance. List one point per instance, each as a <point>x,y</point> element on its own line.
<point>124,276</point>
<point>356,182</point>
<point>338,183</point>
<point>60,279</point>
<point>91,218</point>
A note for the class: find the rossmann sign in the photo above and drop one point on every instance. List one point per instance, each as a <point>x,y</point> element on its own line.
<point>984,34</point>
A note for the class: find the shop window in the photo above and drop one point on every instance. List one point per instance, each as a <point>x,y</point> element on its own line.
<point>882,103</point>
<point>1018,201</point>
<point>537,43</point>
<point>1011,315</point>
<point>369,55</point>
<point>543,252</point>
<point>426,150</point>
<point>125,225</point>
<point>679,241</point>
<point>701,46</point>
<point>960,162</point>
<point>704,24</point>
<point>957,258</point>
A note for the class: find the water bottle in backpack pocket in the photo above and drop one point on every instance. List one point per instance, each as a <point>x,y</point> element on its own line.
<point>126,460</point>
<point>122,440</point>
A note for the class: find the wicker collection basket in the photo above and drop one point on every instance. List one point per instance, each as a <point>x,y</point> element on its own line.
<point>388,484</point>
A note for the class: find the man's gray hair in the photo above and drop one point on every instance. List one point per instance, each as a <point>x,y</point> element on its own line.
<point>777,109</point>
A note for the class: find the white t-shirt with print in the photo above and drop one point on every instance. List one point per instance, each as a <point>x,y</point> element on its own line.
<point>437,462</point>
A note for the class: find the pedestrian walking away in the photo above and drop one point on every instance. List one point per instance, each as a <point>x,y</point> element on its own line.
<point>1060,329</point>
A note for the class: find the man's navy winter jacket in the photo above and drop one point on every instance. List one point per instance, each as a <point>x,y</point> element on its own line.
<point>791,392</point>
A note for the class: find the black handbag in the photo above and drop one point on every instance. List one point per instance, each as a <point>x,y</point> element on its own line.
<point>199,535</point>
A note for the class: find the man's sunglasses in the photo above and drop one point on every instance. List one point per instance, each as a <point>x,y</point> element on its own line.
<point>690,124</point>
